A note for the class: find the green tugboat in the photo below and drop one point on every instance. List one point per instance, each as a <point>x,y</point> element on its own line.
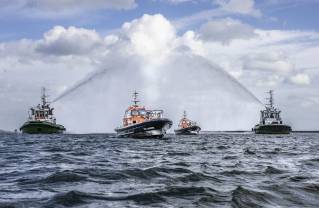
<point>41,120</point>
<point>270,120</point>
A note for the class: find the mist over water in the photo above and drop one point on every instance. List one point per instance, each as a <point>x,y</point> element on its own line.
<point>176,83</point>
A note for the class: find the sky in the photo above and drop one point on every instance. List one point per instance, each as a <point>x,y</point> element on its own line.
<point>213,58</point>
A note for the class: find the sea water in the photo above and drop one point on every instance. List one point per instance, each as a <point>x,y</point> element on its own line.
<point>207,170</point>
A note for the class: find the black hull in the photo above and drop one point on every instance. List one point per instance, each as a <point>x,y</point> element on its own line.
<point>149,129</point>
<point>272,129</point>
<point>193,130</point>
<point>41,127</point>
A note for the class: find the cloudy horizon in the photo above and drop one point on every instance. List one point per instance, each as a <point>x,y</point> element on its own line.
<point>210,57</point>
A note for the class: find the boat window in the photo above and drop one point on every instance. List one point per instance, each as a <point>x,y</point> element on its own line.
<point>127,114</point>
<point>142,112</point>
<point>134,113</point>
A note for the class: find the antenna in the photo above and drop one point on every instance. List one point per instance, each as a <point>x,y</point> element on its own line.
<point>135,100</point>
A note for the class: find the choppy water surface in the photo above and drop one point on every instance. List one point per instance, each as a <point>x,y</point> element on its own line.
<point>213,170</point>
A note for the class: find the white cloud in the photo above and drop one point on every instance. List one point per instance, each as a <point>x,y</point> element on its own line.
<point>193,42</point>
<point>224,8</point>
<point>246,7</point>
<point>271,61</point>
<point>225,30</point>
<point>269,81</point>
<point>111,39</point>
<point>145,37</point>
<point>62,41</point>
<point>300,79</point>
<point>63,8</point>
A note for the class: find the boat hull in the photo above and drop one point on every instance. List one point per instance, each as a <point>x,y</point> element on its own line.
<point>155,128</point>
<point>272,129</point>
<point>41,127</point>
<point>193,130</point>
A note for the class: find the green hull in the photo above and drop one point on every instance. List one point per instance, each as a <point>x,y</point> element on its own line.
<point>272,129</point>
<point>41,127</point>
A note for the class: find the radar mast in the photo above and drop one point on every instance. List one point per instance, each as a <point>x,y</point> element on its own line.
<point>44,97</point>
<point>135,99</point>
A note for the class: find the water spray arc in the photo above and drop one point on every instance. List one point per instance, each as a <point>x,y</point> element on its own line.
<point>89,78</point>
<point>101,72</point>
<point>235,81</point>
<point>181,81</point>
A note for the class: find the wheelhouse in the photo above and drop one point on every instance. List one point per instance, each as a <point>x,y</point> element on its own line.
<point>138,114</point>
<point>42,112</point>
<point>185,122</point>
<point>270,115</point>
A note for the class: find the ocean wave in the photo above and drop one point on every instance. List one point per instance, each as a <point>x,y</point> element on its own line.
<point>313,188</point>
<point>57,177</point>
<point>222,147</point>
<point>196,177</point>
<point>69,199</point>
<point>7,205</point>
<point>298,178</point>
<point>249,151</point>
<point>155,172</point>
<point>243,197</point>
<point>64,176</point>
<point>179,154</point>
<point>273,170</point>
<point>236,172</point>
<point>75,198</point>
<point>170,192</point>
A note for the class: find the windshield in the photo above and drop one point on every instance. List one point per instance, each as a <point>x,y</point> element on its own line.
<point>134,113</point>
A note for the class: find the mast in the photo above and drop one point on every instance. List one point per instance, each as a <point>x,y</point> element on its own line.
<point>271,99</point>
<point>135,100</point>
<point>185,115</point>
<point>43,97</point>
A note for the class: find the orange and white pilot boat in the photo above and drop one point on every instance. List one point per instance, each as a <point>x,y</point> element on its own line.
<point>141,123</point>
<point>187,127</point>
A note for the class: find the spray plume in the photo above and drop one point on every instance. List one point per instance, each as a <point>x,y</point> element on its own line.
<point>101,72</point>
<point>181,82</point>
